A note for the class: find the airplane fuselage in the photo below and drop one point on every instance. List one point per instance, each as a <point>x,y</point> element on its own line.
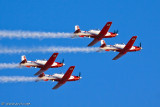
<point>40,64</point>
<point>94,33</point>
<point>120,47</point>
<point>57,77</point>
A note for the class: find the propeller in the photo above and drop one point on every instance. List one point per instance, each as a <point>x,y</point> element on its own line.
<point>79,74</point>
<point>115,31</point>
<point>140,45</point>
<point>62,61</point>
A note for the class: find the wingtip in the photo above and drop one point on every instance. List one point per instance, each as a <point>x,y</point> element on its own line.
<point>91,44</point>
<point>134,36</point>
<point>109,22</point>
<point>55,53</point>
<point>72,67</point>
<point>114,58</point>
<point>35,74</point>
<point>88,45</point>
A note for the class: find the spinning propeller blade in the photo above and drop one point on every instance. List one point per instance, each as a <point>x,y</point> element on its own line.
<point>115,31</point>
<point>62,61</point>
<point>79,74</point>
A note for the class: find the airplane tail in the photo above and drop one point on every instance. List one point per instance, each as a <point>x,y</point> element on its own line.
<point>103,44</point>
<point>77,29</point>
<point>23,59</point>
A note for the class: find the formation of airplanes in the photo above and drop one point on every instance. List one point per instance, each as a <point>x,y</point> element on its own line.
<point>97,35</point>
<point>44,65</point>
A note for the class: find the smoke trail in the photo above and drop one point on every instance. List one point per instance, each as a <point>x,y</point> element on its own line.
<point>37,35</point>
<point>8,65</point>
<point>5,79</point>
<point>48,49</point>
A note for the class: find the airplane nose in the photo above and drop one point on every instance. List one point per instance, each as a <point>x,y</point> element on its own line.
<point>63,64</point>
<point>139,48</point>
<point>117,34</point>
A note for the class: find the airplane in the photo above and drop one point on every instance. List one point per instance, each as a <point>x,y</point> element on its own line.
<point>60,78</point>
<point>96,34</point>
<point>121,48</point>
<point>43,64</point>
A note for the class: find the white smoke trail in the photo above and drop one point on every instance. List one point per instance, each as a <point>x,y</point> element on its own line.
<point>8,65</point>
<point>5,79</point>
<point>48,49</point>
<point>37,35</point>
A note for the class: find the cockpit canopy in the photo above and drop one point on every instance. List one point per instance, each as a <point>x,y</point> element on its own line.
<point>120,44</point>
<point>41,60</point>
<point>95,29</point>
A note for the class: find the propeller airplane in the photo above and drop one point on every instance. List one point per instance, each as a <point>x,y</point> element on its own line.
<point>43,64</point>
<point>96,34</point>
<point>60,78</point>
<point>121,48</point>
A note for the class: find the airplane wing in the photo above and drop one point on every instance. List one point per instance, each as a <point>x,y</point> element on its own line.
<point>119,55</point>
<point>65,77</point>
<point>57,85</point>
<point>126,48</point>
<point>130,43</point>
<point>48,64</point>
<point>102,33</point>
<point>93,42</point>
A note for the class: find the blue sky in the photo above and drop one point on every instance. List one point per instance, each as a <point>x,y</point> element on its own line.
<point>132,81</point>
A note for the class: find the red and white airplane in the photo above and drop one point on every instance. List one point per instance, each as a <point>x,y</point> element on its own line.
<point>60,78</point>
<point>121,48</point>
<point>96,34</point>
<point>43,64</point>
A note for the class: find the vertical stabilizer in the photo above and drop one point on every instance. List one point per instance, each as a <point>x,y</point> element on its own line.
<point>103,44</point>
<point>23,59</point>
<point>77,29</point>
